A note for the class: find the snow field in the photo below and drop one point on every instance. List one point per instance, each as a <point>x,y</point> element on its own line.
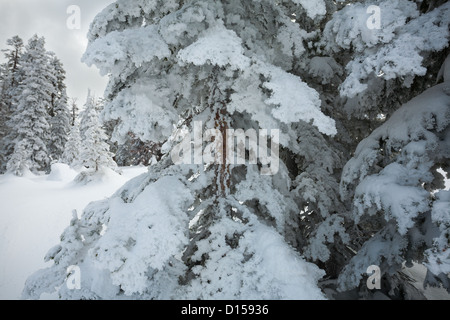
<point>34,212</point>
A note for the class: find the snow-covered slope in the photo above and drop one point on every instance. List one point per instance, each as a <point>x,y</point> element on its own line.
<point>35,210</point>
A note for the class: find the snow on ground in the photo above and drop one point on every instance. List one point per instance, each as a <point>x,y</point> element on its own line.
<point>35,210</point>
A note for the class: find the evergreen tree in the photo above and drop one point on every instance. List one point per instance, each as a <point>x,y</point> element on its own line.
<point>73,111</point>
<point>394,177</point>
<point>73,148</point>
<point>95,151</point>
<point>9,83</point>
<point>361,137</point>
<point>59,111</point>
<point>4,114</point>
<point>89,105</point>
<point>392,119</point>
<point>20,162</point>
<point>10,75</point>
<point>214,232</point>
<point>29,125</point>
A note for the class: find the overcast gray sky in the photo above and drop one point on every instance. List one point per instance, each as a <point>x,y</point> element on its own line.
<point>48,18</point>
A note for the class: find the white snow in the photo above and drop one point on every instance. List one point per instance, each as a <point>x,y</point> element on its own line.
<point>61,172</point>
<point>313,8</point>
<point>418,273</point>
<point>393,50</point>
<point>34,212</point>
<point>116,51</point>
<point>296,100</point>
<point>218,46</point>
<point>136,232</point>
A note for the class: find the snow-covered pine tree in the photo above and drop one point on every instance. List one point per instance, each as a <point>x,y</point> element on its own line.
<point>386,185</point>
<point>20,162</point>
<point>4,113</point>
<point>88,105</point>
<point>95,153</point>
<point>59,110</point>
<point>73,111</point>
<point>226,231</point>
<point>29,124</point>
<point>10,70</point>
<point>214,232</point>
<point>73,148</point>
<point>395,177</point>
<point>9,82</point>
